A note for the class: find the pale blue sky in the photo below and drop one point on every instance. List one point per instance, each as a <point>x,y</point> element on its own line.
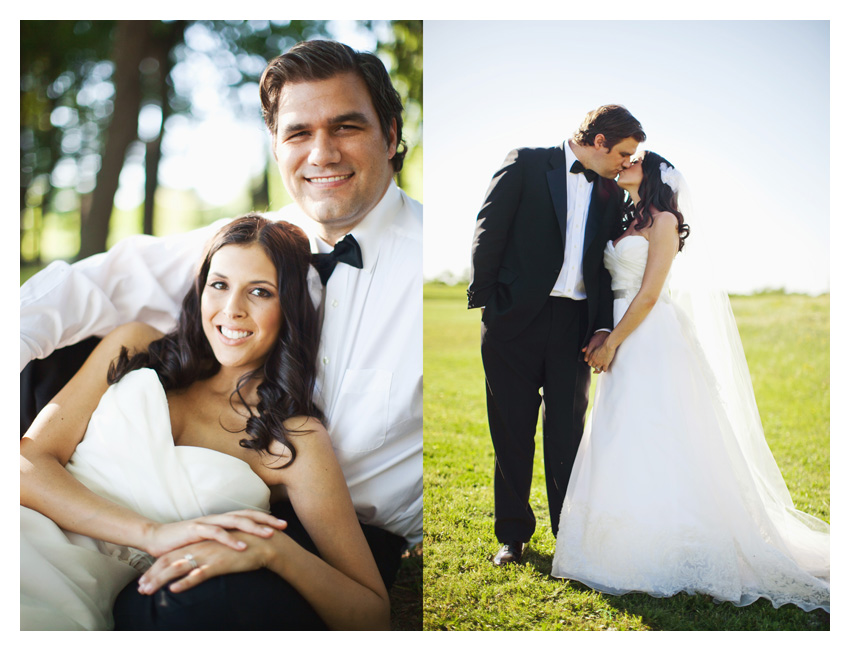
<point>741,108</point>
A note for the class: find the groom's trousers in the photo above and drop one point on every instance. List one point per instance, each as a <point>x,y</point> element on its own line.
<point>246,601</point>
<point>546,355</point>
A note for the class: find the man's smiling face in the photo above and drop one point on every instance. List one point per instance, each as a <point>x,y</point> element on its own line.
<point>331,153</point>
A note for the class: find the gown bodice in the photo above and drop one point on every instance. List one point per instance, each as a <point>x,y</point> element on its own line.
<point>128,456</point>
<point>128,450</point>
<point>626,262</point>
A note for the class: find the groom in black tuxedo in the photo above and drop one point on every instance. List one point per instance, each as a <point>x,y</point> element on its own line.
<point>537,274</point>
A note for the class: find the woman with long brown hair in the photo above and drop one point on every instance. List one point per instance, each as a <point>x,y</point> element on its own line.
<point>159,442</point>
<point>674,488</point>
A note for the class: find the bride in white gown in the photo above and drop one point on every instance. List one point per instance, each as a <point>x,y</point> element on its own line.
<point>674,488</point>
<point>186,443</point>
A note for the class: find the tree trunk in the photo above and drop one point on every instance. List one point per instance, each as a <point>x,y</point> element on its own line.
<point>161,50</point>
<point>131,43</point>
<point>153,154</point>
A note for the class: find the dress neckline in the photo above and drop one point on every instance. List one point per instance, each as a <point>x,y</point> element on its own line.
<point>614,246</point>
<point>161,391</point>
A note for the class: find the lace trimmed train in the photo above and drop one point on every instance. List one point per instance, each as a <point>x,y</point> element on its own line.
<point>663,498</point>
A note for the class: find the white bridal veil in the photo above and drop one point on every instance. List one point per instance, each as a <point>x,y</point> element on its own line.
<point>706,314</point>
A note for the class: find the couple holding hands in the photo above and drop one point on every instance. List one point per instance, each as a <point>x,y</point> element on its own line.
<point>260,465</point>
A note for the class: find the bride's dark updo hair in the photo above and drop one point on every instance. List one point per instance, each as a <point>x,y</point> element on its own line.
<point>288,375</point>
<point>654,192</point>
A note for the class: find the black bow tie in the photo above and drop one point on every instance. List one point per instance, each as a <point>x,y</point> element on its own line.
<point>578,168</point>
<point>347,250</point>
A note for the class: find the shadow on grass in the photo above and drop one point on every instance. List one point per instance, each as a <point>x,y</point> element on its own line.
<point>684,612</point>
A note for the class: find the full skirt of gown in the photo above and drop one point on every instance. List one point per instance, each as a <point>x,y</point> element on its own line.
<point>662,498</point>
<point>70,581</point>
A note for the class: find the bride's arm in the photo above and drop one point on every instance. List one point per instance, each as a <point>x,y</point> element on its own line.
<point>342,585</point>
<point>141,278</point>
<point>663,246</point>
<point>47,487</point>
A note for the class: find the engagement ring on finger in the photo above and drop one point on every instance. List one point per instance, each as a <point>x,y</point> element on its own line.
<point>192,560</point>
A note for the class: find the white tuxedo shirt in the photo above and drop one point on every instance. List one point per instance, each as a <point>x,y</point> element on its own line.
<point>570,282</point>
<point>370,360</point>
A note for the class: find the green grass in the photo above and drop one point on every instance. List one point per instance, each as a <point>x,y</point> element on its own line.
<point>786,339</point>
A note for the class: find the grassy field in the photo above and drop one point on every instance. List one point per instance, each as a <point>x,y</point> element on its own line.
<point>786,338</point>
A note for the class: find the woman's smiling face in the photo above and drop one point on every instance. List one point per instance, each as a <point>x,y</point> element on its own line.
<point>240,308</point>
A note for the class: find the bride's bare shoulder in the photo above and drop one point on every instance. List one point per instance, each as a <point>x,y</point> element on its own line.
<point>664,219</point>
<point>303,432</point>
<point>313,449</point>
<point>305,425</point>
<point>133,335</point>
<point>664,226</point>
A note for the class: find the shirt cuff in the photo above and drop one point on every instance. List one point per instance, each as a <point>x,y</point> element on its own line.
<point>26,354</point>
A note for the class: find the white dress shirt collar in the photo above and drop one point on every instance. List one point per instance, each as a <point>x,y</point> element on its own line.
<point>571,158</point>
<point>371,229</point>
<point>568,152</point>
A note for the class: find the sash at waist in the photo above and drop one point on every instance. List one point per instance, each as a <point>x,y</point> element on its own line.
<point>631,292</point>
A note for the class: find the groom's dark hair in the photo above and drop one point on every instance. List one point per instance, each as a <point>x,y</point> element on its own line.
<point>319,60</point>
<point>613,121</point>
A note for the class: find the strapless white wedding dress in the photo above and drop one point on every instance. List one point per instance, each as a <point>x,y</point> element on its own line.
<point>70,581</point>
<point>662,498</point>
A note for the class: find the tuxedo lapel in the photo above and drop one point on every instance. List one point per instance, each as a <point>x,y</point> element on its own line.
<point>557,178</point>
<point>594,215</point>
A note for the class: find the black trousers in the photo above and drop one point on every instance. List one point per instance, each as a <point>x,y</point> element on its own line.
<point>246,601</point>
<point>547,355</point>
<point>42,379</point>
<point>259,600</point>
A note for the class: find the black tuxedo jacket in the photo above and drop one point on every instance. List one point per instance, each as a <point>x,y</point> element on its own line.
<point>520,235</point>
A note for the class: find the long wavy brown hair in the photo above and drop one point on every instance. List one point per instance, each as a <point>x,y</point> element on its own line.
<point>288,375</point>
<point>654,192</point>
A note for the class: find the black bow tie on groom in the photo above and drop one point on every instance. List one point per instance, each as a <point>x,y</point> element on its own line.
<point>347,250</point>
<point>578,168</point>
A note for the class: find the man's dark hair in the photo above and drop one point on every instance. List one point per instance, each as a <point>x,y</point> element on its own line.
<point>319,60</point>
<point>613,121</point>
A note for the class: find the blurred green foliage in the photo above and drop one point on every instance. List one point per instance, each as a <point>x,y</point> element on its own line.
<point>69,88</point>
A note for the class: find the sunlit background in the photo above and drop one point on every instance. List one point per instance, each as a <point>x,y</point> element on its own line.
<point>741,108</point>
<point>221,153</point>
<point>216,158</point>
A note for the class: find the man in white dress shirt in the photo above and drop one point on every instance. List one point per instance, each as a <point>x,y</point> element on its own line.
<point>537,274</point>
<point>336,123</point>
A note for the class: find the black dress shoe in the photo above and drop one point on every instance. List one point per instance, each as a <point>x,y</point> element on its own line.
<point>510,552</point>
